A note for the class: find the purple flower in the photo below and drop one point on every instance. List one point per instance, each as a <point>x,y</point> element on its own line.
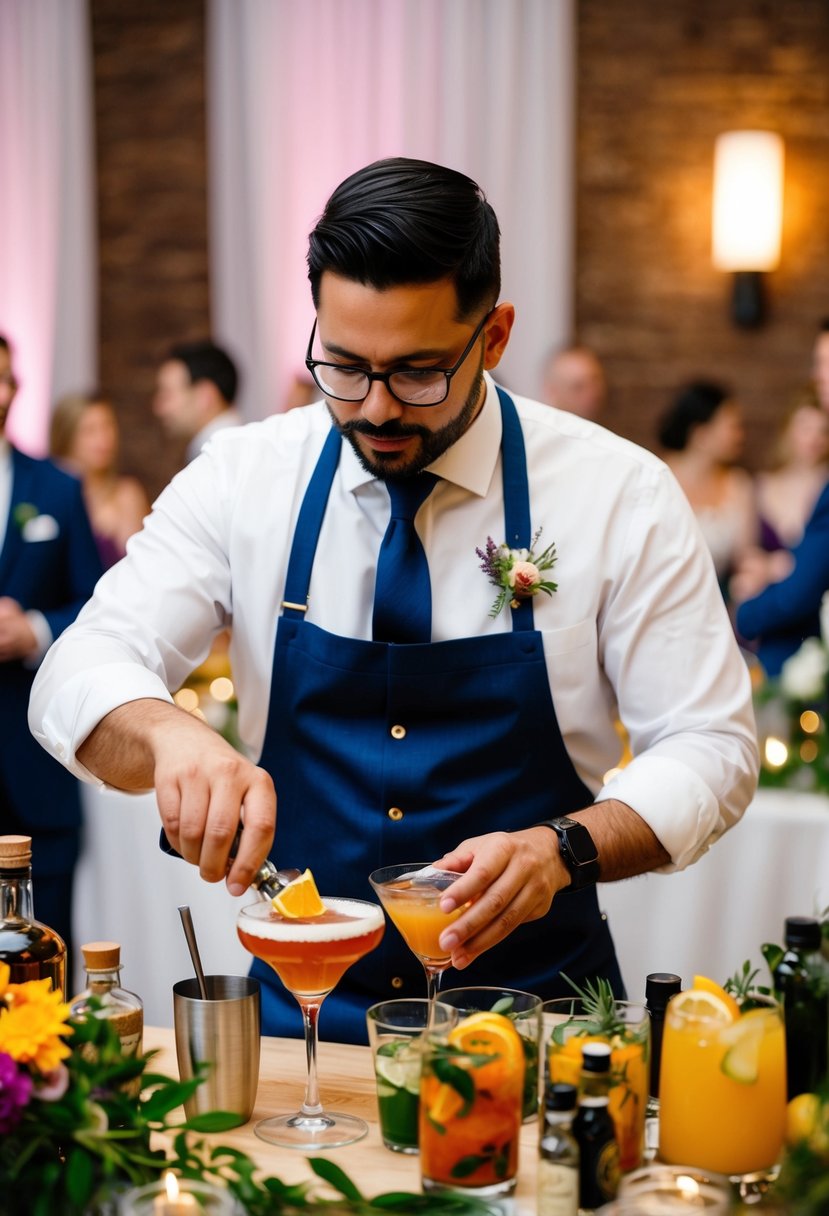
<point>15,1092</point>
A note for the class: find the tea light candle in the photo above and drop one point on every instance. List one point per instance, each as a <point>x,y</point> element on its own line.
<point>664,1190</point>
<point>174,1201</point>
<point>175,1196</point>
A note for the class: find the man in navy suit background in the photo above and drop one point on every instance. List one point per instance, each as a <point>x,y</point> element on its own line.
<point>48,568</point>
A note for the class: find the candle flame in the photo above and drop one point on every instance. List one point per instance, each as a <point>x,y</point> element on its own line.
<point>171,1183</point>
<point>689,1187</point>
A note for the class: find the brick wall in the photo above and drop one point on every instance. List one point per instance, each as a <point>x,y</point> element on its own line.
<point>152,207</point>
<point>656,84</point>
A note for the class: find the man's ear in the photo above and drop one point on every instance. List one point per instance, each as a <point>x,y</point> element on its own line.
<point>497,332</point>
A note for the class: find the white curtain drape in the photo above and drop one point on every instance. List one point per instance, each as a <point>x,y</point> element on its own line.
<point>303,92</point>
<point>48,263</point>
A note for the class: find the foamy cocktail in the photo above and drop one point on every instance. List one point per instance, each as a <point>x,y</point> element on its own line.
<point>310,954</point>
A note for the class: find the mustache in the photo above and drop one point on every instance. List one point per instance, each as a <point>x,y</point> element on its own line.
<point>393,429</point>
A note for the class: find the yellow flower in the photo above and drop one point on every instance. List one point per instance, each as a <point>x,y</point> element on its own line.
<point>5,972</point>
<point>32,1026</point>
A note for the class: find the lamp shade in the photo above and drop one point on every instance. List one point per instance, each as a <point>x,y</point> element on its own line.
<point>748,200</point>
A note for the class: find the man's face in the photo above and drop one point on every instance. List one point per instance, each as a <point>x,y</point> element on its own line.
<point>820,370</point>
<point>176,401</point>
<point>8,386</point>
<point>415,326</point>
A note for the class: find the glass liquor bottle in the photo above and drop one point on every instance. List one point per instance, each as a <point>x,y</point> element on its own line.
<point>558,1154</point>
<point>594,1131</point>
<point>104,997</point>
<point>802,983</point>
<point>32,950</point>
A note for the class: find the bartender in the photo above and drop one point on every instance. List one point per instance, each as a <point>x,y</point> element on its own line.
<point>443,598</point>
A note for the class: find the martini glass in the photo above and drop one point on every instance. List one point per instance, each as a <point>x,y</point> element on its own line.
<point>310,955</point>
<point>411,896</point>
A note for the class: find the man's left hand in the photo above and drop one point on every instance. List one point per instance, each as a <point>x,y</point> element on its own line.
<point>17,638</point>
<point>508,878</point>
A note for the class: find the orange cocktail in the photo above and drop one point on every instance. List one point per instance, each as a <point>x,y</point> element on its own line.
<point>722,1089</point>
<point>471,1107</point>
<point>411,895</point>
<point>569,1028</point>
<point>310,955</point>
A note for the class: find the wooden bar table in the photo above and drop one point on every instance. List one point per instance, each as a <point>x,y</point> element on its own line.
<point>346,1079</point>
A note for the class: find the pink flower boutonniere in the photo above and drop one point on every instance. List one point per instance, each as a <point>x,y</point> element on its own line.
<point>517,573</point>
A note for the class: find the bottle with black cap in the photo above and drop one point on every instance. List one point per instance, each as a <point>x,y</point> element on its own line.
<point>558,1154</point>
<point>801,983</point>
<point>593,1130</point>
<point>660,986</point>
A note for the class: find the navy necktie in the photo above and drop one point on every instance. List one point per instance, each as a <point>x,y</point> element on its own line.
<point>402,592</point>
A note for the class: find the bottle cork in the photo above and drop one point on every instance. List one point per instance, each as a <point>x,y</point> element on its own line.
<point>15,852</point>
<point>101,956</point>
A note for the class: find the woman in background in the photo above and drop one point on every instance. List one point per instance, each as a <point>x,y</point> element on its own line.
<point>703,437</point>
<point>787,493</point>
<point>84,439</point>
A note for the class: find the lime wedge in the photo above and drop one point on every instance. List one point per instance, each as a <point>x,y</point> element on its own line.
<point>741,1061</point>
<point>399,1067</point>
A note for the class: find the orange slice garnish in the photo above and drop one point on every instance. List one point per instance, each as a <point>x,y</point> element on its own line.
<point>703,984</point>
<point>300,899</point>
<point>699,1004</point>
<point>491,1034</point>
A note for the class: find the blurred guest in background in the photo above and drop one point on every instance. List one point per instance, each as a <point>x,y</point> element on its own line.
<point>574,381</point>
<point>787,493</point>
<point>48,568</point>
<point>703,437</point>
<point>84,440</point>
<point>782,598</point>
<point>195,389</point>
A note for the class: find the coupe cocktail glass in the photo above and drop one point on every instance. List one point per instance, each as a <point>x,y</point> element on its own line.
<point>310,956</point>
<point>411,895</point>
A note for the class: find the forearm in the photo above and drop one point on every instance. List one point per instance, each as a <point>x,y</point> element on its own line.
<point>626,845</point>
<point>121,748</point>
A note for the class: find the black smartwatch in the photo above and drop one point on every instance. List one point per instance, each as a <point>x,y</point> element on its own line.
<point>578,851</point>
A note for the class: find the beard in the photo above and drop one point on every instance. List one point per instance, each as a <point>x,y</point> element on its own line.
<point>433,443</point>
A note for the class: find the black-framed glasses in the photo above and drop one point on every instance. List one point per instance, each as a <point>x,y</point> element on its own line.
<point>418,386</point>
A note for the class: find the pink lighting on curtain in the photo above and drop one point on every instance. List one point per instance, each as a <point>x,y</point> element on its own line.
<point>302,94</point>
<point>47,264</point>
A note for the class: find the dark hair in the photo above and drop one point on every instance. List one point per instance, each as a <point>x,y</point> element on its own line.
<point>402,221</point>
<point>206,361</point>
<point>4,343</point>
<point>695,405</point>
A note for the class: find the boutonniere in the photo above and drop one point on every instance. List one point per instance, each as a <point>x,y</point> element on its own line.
<point>23,512</point>
<point>517,573</point>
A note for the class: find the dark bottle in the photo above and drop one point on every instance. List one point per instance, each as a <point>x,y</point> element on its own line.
<point>33,951</point>
<point>558,1154</point>
<point>660,986</point>
<point>801,982</point>
<point>593,1130</point>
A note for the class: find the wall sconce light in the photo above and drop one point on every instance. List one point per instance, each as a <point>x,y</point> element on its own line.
<point>747,215</point>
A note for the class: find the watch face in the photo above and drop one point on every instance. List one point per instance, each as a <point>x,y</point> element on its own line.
<point>580,842</point>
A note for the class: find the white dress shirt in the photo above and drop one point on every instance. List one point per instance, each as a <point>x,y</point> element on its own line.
<point>636,629</point>
<point>227,418</point>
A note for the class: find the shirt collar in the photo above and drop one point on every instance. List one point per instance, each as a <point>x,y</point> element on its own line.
<point>469,463</point>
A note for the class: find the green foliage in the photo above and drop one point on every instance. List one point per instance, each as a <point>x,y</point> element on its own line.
<point>69,1157</point>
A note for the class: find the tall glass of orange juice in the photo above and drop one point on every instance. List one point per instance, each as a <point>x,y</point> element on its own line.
<point>722,1090</point>
<point>471,1106</point>
<point>625,1027</point>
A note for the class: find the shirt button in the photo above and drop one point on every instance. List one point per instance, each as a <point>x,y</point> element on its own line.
<point>395,813</point>
<point>398,732</point>
<point>397,982</point>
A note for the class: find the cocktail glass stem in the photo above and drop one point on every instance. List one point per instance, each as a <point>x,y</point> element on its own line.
<point>310,1013</point>
<point>433,978</point>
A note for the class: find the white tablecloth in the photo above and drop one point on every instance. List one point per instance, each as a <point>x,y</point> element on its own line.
<point>713,916</point>
<point>707,919</point>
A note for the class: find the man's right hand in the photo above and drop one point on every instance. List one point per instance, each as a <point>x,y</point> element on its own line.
<point>203,786</point>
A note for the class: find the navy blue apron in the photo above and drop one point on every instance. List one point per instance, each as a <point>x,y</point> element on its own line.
<point>480,751</point>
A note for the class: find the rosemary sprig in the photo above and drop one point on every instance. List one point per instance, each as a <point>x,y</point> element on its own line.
<point>599,1006</point>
